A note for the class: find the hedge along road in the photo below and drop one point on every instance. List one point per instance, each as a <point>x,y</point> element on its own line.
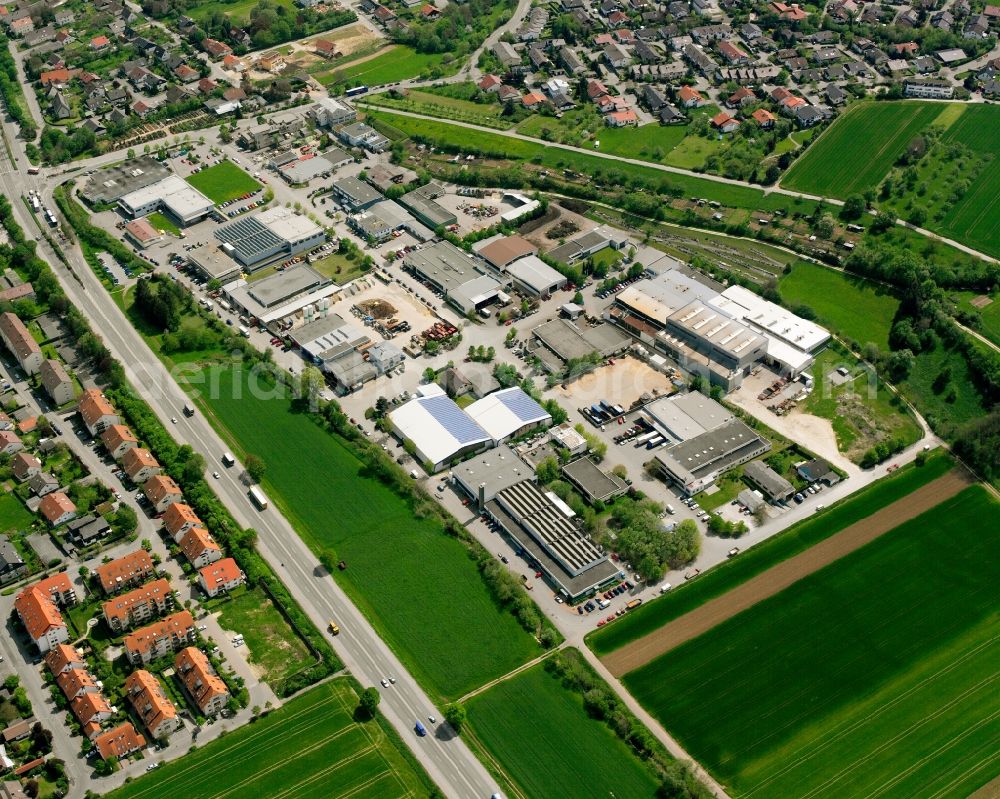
<point>779,577</point>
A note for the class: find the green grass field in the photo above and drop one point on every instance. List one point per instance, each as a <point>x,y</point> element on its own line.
<point>757,559</point>
<point>271,642</point>
<point>952,406</point>
<point>844,160</point>
<point>395,63</point>
<point>990,314</point>
<point>548,744</point>
<point>556,158</point>
<point>876,676</point>
<point>308,748</point>
<point>855,308</point>
<point>13,515</point>
<point>418,585</point>
<point>439,105</point>
<point>223,182</point>
<point>238,10</point>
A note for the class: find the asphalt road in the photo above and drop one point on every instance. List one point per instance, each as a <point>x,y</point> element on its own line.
<point>446,758</point>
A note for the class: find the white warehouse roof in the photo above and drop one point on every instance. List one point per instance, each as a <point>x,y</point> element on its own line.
<point>505,412</point>
<point>182,199</point>
<point>438,428</point>
<point>774,321</point>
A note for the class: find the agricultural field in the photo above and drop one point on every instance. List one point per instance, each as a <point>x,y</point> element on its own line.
<point>276,652</point>
<point>843,161</point>
<point>874,676</point>
<point>309,747</point>
<point>548,744</point>
<point>13,515</point>
<point>793,541</point>
<point>857,309</point>
<point>392,64</point>
<point>446,135</point>
<point>455,637</point>
<point>223,182</point>
<point>238,10</point>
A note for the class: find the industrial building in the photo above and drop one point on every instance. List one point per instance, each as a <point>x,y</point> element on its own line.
<point>422,203</point>
<point>559,342</point>
<point>508,413</point>
<point>694,465</point>
<point>591,243</point>
<point>685,416</point>
<point>501,251</point>
<point>774,486</point>
<point>439,430</point>
<point>594,483</point>
<point>279,232</point>
<point>354,195</point>
<point>182,201</point>
<point>531,275</point>
<point>345,353</point>
<point>486,475</point>
<point>543,526</point>
<point>332,111</point>
<point>299,292</point>
<point>109,184</point>
<point>454,273</point>
<point>313,165</point>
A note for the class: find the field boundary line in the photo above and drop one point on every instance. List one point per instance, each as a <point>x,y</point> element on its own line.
<point>990,790</point>
<point>784,574</point>
<point>510,674</point>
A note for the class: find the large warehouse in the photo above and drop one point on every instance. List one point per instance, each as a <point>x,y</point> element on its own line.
<point>486,475</point>
<point>177,197</point>
<point>279,232</point>
<point>299,291</point>
<point>558,342</point>
<point>508,413</point>
<point>543,526</point>
<point>695,464</point>
<point>440,431</point>
<point>453,273</point>
<point>109,184</point>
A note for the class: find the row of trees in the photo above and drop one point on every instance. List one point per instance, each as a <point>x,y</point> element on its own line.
<point>13,93</point>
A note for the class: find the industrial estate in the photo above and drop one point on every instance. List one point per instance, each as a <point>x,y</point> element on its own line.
<point>500,398</point>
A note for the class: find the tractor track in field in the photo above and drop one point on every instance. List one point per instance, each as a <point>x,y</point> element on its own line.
<point>782,575</point>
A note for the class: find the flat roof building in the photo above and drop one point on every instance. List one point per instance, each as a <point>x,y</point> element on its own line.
<point>776,487</point>
<point>422,203</point>
<point>508,413</point>
<point>685,416</point>
<point>179,198</point>
<point>298,289</point>
<point>561,341</point>
<point>595,484</point>
<point>355,195</point>
<point>694,464</point>
<point>109,184</point>
<point>485,475</point>
<point>440,431</point>
<point>455,274</point>
<point>541,526</point>
<point>255,241</point>
<point>531,275</point>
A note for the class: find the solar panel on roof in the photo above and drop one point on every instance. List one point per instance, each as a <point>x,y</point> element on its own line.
<point>522,405</point>
<point>457,422</point>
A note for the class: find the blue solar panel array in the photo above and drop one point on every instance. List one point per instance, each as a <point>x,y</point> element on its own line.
<point>453,419</point>
<point>522,405</point>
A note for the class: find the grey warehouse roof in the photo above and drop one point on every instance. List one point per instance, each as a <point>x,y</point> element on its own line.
<point>444,264</point>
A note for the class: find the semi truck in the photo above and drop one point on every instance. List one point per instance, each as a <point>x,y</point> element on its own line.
<point>258,498</point>
<point>228,459</point>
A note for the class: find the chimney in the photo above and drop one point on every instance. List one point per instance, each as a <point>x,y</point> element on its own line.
<point>482,496</point>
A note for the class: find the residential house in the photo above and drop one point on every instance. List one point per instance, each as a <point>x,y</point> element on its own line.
<point>59,107</point>
<point>616,57</point>
<point>200,681</point>
<point>138,605</point>
<point>533,100</point>
<point>200,548</point>
<point>118,439</point>
<point>789,13</point>
<point>928,88</point>
<point>160,638</point>
<point>126,571</point>
<point>76,682</point>
<point>162,492</point>
<point>808,115</point>
<point>621,119</point>
<point>24,465</point>
<point>140,465</point>
<point>64,657</point>
<point>325,48</point>
<point>12,565</point>
<point>689,98</point>
<point>724,123</point>
<point>655,98</point>
<point>669,115</point>
<point>21,343</point>
<point>741,97</point>
<point>178,519</point>
<point>87,529</point>
<point>220,577</point>
<point>99,43</point>
<point>151,704</point>
<point>216,49</point>
<point>119,742</point>
<point>490,83</point>
<point>41,618</point>
<point>96,412</point>
<point>835,95</point>
<point>186,74</point>
<point>91,710</point>
<point>764,118</point>
<point>733,54</point>
<point>57,383</point>
<point>57,508</point>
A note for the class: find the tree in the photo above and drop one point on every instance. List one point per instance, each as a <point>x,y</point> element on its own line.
<point>31,788</point>
<point>854,207</point>
<point>429,374</point>
<point>41,739</point>
<point>381,407</point>
<point>547,471</point>
<point>255,467</point>
<point>124,521</point>
<point>368,701</point>
<point>454,714</point>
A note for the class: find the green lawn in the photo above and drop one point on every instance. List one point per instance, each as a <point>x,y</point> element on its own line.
<point>601,169</point>
<point>339,268</point>
<point>855,308</point>
<point>548,744</point>
<point>308,748</point>
<point>223,182</point>
<point>161,222</point>
<point>419,102</point>
<point>238,10</point>
<point>857,151</point>
<point>13,514</point>
<point>271,642</point>
<point>876,676</point>
<point>418,585</point>
<point>793,541</point>
<point>398,62</point>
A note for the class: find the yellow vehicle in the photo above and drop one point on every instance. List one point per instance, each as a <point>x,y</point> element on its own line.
<point>334,628</point>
